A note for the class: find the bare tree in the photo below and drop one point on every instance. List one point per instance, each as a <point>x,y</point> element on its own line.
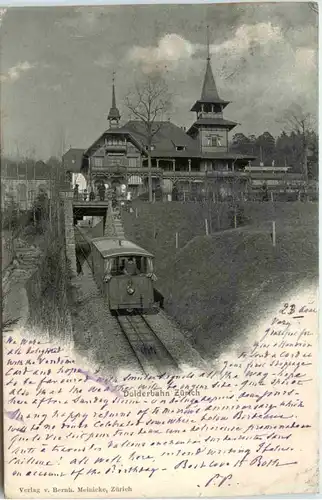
<point>314,6</point>
<point>301,123</point>
<point>148,104</point>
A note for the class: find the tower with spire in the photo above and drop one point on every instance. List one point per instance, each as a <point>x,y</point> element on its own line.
<point>114,114</point>
<point>210,127</point>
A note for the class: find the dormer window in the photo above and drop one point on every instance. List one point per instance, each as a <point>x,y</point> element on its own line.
<point>152,147</point>
<point>181,148</point>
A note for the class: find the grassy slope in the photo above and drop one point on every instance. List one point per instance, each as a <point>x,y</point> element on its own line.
<point>215,285</point>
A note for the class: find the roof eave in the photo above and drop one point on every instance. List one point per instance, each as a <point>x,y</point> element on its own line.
<point>197,126</point>
<point>115,131</point>
<point>198,103</point>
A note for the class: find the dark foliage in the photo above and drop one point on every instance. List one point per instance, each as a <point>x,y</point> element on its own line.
<point>285,150</point>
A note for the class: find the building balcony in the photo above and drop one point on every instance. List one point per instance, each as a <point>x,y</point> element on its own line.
<point>116,148</point>
<point>209,175</point>
<point>123,168</point>
<point>111,165</point>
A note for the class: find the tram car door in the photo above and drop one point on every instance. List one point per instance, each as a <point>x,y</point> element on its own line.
<point>130,286</point>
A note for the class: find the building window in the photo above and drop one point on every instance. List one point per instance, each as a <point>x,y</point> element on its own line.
<point>132,162</point>
<point>216,141</point>
<point>97,162</point>
<point>115,160</point>
<point>181,148</point>
<point>115,141</point>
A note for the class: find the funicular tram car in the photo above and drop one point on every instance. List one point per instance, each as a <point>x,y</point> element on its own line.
<point>124,273</point>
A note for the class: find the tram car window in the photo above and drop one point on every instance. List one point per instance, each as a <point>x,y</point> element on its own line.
<point>125,274</point>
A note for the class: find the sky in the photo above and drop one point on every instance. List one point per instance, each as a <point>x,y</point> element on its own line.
<point>57,66</point>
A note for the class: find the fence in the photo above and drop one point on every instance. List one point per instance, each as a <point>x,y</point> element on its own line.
<point>256,195</point>
<point>152,225</point>
<point>269,228</point>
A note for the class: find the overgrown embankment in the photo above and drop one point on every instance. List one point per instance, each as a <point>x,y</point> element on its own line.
<point>37,279</point>
<point>216,285</point>
<point>48,290</point>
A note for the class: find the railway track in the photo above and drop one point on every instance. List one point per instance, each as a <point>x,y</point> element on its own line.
<point>150,352</point>
<point>152,355</point>
<point>81,237</point>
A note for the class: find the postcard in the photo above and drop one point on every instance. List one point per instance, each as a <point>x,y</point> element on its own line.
<point>160,250</point>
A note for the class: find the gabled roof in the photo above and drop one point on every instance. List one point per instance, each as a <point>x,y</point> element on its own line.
<point>115,131</point>
<point>166,139</point>
<point>73,160</point>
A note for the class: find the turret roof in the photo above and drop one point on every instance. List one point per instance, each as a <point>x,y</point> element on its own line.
<point>114,113</point>
<point>209,91</point>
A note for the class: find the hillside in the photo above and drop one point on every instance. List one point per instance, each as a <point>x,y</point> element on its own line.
<point>215,285</point>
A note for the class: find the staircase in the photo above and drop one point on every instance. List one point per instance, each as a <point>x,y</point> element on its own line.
<point>119,230</point>
<point>114,226</point>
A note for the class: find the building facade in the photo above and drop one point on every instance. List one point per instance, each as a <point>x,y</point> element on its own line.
<point>22,182</point>
<point>190,162</point>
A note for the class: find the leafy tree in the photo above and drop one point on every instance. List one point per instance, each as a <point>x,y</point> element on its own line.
<point>300,123</point>
<point>266,144</point>
<point>241,144</point>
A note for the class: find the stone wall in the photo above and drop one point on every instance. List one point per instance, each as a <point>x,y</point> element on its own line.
<point>68,224</point>
<point>36,285</point>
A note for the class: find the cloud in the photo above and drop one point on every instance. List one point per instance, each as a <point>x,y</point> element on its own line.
<point>265,50</point>
<point>173,50</point>
<point>248,37</point>
<point>170,50</point>
<point>14,73</point>
<point>270,71</point>
<point>260,66</point>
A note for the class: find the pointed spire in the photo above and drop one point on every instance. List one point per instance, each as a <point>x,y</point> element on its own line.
<point>209,101</point>
<point>208,44</point>
<point>114,114</point>
<point>113,92</point>
<point>209,90</point>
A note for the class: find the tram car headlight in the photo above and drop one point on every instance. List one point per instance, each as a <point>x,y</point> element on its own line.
<point>130,289</point>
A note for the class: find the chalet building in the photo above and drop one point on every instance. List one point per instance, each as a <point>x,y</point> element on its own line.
<point>193,160</point>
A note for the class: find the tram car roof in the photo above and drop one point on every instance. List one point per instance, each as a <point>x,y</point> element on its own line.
<point>110,247</point>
